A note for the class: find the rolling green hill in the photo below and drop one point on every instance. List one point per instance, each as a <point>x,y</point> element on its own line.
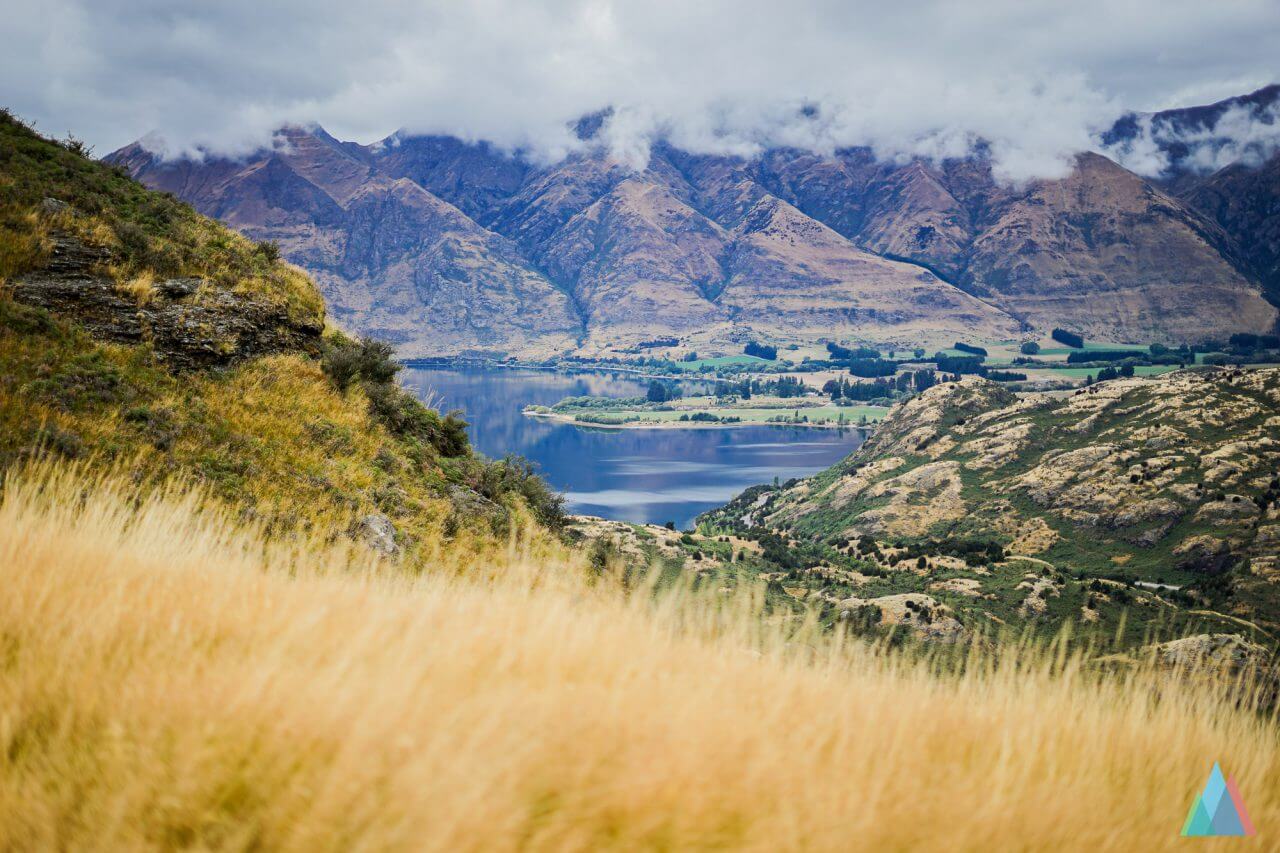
<point>1130,506</point>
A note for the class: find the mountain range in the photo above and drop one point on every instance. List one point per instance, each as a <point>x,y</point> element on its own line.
<point>445,247</point>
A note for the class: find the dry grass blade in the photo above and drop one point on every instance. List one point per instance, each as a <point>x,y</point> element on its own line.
<point>172,679</point>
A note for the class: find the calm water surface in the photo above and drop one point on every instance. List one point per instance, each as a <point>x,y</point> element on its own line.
<point>639,475</point>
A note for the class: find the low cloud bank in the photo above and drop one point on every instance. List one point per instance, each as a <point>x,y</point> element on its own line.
<point>1037,81</point>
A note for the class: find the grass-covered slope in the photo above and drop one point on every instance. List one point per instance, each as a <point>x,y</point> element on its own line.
<point>992,509</point>
<point>226,380</point>
<point>168,679</point>
<point>49,189</point>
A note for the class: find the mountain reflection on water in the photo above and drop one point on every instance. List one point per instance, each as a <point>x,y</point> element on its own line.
<point>644,475</point>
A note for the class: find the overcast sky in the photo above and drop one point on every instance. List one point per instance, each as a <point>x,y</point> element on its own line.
<point>905,76</point>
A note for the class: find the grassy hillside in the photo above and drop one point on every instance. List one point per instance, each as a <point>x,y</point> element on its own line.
<point>148,235</point>
<point>1135,506</point>
<point>302,432</point>
<point>173,679</point>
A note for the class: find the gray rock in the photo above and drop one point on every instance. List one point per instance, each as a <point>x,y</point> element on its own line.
<point>1232,507</point>
<point>179,288</point>
<point>1206,554</point>
<point>468,502</point>
<point>219,329</point>
<point>1229,652</point>
<point>377,531</point>
<point>53,205</point>
<point>69,256</point>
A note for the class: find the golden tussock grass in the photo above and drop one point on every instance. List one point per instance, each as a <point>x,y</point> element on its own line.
<point>271,435</point>
<point>141,288</point>
<point>170,678</point>
<point>22,249</point>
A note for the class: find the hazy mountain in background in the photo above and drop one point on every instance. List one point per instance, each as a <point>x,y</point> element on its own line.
<point>1222,160</point>
<point>445,246</point>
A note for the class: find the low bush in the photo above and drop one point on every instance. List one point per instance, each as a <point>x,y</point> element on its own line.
<point>346,361</point>
<point>515,475</point>
<point>405,417</point>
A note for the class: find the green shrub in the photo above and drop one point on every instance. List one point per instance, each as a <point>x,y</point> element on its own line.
<point>405,417</point>
<point>269,251</point>
<point>60,441</point>
<point>87,380</point>
<point>515,475</point>
<point>602,553</point>
<point>345,361</point>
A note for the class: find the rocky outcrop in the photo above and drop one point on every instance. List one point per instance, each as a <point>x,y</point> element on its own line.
<point>920,614</point>
<point>1227,653</point>
<point>920,424</point>
<point>1203,553</point>
<point>187,322</point>
<point>377,531</point>
<point>1226,661</point>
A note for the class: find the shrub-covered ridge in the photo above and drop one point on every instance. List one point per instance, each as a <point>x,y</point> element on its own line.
<point>1129,504</point>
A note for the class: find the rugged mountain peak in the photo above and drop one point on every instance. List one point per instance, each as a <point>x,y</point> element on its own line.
<point>473,176</point>
<point>1105,237</point>
<point>814,278</point>
<point>914,216</point>
<point>639,253</point>
<point>792,245</point>
<point>323,161</point>
<point>551,198</point>
<point>1184,134</point>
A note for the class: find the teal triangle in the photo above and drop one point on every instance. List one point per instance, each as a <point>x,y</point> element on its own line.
<point>1201,822</point>
<point>1226,820</point>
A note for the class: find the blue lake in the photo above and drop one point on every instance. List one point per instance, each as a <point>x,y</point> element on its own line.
<point>643,475</point>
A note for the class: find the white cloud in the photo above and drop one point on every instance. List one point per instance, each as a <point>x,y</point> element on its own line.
<point>911,77</point>
<point>1241,134</point>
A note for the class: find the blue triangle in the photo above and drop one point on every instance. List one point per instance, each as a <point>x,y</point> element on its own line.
<point>1226,820</point>
<point>1215,790</point>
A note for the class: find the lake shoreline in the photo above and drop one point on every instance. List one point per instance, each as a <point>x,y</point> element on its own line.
<point>452,363</point>
<point>638,473</point>
<point>676,424</point>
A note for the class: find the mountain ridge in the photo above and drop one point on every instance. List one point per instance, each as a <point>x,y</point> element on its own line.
<point>557,258</point>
